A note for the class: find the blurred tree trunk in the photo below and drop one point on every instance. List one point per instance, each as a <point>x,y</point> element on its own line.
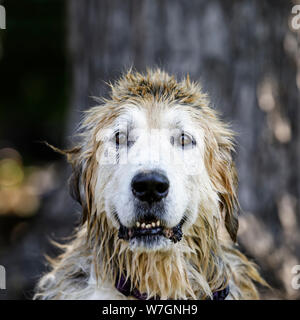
<point>247,58</point>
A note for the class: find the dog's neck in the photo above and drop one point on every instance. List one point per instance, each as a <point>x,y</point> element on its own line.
<point>124,286</point>
<point>192,269</point>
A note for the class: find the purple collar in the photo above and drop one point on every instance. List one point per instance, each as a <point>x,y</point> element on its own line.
<point>124,287</point>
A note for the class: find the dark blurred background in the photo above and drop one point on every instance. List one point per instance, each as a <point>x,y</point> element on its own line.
<point>56,54</point>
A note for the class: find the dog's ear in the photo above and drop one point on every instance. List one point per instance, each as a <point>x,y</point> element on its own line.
<point>78,191</point>
<point>72,156</point>
<point>229,203</point>
<point>80,182</point>
<point>223,174</point>
<point>77,185</point>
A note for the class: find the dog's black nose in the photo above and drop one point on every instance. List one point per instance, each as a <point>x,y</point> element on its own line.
<point>150,186</point>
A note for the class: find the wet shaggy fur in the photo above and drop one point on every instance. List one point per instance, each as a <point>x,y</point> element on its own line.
<point>204,261</point>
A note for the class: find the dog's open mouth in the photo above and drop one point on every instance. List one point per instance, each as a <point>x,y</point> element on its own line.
<point>151,228</point>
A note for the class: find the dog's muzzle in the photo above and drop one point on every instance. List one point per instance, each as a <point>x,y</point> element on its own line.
<point>149,189</point>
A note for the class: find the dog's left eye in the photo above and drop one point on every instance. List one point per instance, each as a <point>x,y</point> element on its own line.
<point>121,138</point>
<point>185,140</point>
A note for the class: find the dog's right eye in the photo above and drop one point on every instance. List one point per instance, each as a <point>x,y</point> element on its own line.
<point>121,138</point>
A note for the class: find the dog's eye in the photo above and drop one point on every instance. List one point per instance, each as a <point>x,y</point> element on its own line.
<point>185,140</point>
<point>121,138</point>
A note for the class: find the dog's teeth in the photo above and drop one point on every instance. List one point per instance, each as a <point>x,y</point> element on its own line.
<point>138,224</point>
<point>158,223</point>
<point>153,224</point>
<point>143,225</point>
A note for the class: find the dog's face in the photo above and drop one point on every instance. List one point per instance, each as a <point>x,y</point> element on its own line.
<point>155,162</point>
<point>152,167</point>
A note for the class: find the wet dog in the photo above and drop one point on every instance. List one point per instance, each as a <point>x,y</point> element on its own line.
<point>154,174</point>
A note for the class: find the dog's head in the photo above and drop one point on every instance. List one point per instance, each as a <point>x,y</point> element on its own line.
<point>154,158</point>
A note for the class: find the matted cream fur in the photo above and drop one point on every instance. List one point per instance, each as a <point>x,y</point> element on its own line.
<point>206,259</point>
